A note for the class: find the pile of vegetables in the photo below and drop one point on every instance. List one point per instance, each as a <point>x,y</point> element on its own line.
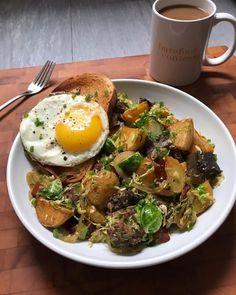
<point>155,174</point>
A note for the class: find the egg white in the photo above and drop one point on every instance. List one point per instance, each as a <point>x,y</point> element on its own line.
<point>37,130</point>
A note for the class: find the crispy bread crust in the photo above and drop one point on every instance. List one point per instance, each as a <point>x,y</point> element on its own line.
<point>66,174</point>
<point>98,85</point>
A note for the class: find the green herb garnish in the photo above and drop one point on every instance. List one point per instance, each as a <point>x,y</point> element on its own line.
<point>161,152</point>
<point>88,97</point>
<point>75,94</point>
<point>106,162</point>
<point>200,189</point>
<point>38,123</point>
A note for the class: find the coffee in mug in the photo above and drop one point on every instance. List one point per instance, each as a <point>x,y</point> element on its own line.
<point>180,34</point>
<point>183,12</point>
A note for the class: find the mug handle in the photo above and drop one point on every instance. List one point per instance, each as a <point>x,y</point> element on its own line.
<point>219,17</point>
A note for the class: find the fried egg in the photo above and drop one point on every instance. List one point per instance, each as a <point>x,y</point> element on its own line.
<point>64,130</point>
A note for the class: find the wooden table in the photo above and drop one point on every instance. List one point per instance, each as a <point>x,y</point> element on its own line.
<point>28,267</point>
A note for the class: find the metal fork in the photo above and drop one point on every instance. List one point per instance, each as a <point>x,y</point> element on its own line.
<point>36,85</point>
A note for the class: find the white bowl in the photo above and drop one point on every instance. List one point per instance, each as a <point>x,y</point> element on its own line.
<point>182,105</point>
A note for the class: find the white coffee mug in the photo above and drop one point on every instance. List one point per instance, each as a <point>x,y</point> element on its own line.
<point>179,46</point>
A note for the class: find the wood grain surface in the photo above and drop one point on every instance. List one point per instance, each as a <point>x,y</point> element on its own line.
<point>28,267</point>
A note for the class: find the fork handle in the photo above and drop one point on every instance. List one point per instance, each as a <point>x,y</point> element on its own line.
<point>7,103</point>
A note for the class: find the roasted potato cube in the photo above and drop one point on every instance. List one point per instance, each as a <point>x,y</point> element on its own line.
<point>176,177</point>
<point>131,115</point>
<point>183,134</point>
<point>202,197</point>
<point>94,215</point>
<point>194,148</point>
<point>185,219</point>
<point>50,215</point>
<point>32,177</point>
<point>201,142</point>
<point>184,165</point>
<point>132,139</point>
<point>175,174</point>
<point>146,171</point>
<point>100,187</point>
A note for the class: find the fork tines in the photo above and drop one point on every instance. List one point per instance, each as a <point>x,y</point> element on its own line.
<point>45,73</point>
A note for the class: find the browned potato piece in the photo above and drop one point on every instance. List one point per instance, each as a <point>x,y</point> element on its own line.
<point>185,221</point>
<point>175,174</point>
<point>201,142</point>
<point>131,115</point>
<point>49,215</point>
<point>204,201</point>
<point>132,138</point>
<point>32,177</point>
<point>175,177</point>
<point>94,215</point>
<point>184,165</point>
<point>100,187</point>
<point>183,131</point>
<point>194,148</point>
<point>146,168</point>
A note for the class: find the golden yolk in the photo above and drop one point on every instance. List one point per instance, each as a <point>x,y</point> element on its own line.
<point>79,129</point>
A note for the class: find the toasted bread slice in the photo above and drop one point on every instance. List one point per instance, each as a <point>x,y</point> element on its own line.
<point>67,174</point>
<point>99,86</point>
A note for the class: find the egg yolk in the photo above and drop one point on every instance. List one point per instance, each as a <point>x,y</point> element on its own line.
<point>79,129</point>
